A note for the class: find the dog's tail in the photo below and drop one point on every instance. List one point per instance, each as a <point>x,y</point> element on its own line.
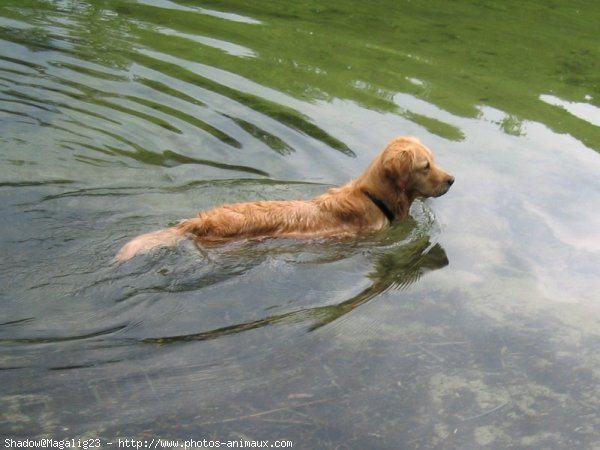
<point>146,242</point>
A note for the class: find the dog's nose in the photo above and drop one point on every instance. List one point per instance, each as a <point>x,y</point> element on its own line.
<point>450,180</point>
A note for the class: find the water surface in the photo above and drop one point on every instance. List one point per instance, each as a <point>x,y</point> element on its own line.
<point>473,324</point>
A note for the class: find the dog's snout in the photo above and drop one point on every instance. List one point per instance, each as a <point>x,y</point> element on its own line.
<point>450,180</point>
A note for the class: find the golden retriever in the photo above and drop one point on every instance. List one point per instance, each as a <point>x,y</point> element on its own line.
<point>403,171</point>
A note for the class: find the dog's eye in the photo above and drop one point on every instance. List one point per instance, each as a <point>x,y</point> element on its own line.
<point>427,166</point>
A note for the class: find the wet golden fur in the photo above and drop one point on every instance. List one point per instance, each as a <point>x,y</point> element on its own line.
<point>403,171</point>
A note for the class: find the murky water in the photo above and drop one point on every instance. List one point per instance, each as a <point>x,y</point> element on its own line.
<point>474,324</point>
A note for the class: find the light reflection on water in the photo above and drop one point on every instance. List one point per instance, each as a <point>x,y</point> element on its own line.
<point>473,324</point>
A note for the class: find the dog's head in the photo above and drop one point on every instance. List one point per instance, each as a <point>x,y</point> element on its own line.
<point>409,167</point>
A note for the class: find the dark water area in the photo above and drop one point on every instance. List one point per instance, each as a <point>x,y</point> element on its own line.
<point>474,324</point>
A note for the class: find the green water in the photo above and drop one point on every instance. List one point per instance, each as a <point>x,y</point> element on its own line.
<point>472,325</point>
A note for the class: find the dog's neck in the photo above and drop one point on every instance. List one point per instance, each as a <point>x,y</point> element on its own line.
<point>394,203</point>
<point>387,212</point>
<point>375,183</point>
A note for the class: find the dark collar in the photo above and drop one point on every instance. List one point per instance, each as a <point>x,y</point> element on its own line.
<point>381,205</point>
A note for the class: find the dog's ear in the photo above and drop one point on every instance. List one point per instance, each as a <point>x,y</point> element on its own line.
<point>398,167</point>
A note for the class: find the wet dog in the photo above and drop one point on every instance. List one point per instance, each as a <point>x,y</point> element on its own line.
<point>401,172</point>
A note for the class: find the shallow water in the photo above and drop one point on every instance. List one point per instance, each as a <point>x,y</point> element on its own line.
<point>474,324</point>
